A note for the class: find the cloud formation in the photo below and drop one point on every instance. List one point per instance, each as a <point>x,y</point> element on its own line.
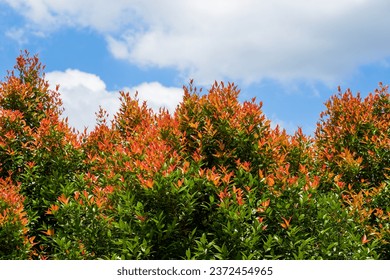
<point>158,96</point>
<point>246,40</point>
<point>83,93</point>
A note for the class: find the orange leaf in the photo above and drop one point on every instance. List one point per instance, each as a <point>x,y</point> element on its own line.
<point>286,223</point>
<point>194,125</point>
<point>260,219</point>
<point>265,203</point>
<point>186,166</point>
<point>226,177</point>
<point>49,232</point>
<point>364,239</point>
<point>63,199</point>
<point>149,183</point>
<point>270,181</point>
<point>52,209</point>
<point>180,182</point>
<point>261,174</point>
<point>31,240</point>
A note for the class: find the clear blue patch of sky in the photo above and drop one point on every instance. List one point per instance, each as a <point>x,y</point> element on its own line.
<point>367,78</point>
<point>9,49</point>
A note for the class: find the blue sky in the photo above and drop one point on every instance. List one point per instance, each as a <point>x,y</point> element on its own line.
<point>292,55</point>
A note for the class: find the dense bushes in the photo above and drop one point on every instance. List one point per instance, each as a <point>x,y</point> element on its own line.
<point>211,180</point>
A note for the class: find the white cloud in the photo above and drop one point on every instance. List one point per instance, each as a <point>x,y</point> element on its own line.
<point>82,94</point>
<point>158,96</point>
<point>245,40</point>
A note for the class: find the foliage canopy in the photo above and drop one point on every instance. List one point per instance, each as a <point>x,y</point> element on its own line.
<point>211,180</point>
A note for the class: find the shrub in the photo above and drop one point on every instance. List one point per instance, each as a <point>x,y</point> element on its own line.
<point>38,149</point>
<point>15,241</point>
<point>353,135</point>
<point>211,180</point>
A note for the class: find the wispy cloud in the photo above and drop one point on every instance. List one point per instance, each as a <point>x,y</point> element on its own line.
<point>18,35</point>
